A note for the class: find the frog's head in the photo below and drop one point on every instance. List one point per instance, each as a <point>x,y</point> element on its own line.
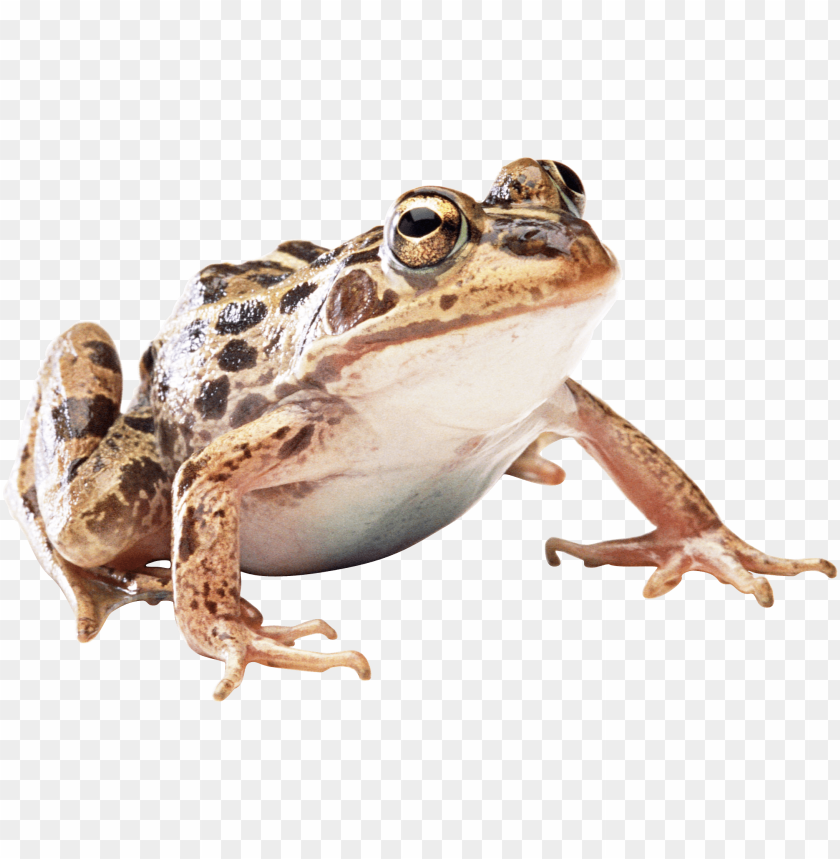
<point>514,285</point>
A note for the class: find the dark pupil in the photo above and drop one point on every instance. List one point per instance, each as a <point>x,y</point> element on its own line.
<point>419,222</point>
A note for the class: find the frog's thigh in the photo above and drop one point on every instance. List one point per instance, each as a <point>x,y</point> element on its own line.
<point>99,483</point>
<point>280,447</point>
<point>91,600</point>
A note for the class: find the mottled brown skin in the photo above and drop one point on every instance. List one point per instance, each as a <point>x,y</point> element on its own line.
<point>412,365</point>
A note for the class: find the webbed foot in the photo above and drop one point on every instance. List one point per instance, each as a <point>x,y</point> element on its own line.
<point>273,646</point>
<point>717,551</point>
<point>105,591</point>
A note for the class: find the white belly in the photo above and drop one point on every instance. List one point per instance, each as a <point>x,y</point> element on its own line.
<point>350,520</point>
<point>400,471</point>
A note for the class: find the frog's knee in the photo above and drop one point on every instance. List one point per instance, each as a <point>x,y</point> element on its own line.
<point>124,500</point>
<point>80,548</point>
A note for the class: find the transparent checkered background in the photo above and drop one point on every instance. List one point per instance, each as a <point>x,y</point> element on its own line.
<point>515,709</point>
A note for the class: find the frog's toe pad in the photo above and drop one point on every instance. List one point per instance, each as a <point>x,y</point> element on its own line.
<point>271,652</point>
<point>88,628</point>
<point>716,551</point>
<point>288,635</point>
<point>235,664</point>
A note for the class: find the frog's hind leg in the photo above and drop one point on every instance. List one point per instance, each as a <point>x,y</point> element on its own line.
<point>75,409</point>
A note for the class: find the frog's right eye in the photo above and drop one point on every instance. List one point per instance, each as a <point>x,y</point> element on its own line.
<point>425,230</point>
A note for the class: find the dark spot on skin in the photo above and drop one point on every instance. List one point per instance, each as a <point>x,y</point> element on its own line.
<point>285,495</point>
<point>327,258</point>
<point>237,355</point>
<point>161,386</point>
<point>187,475</point>
<point>30,501</point>
<point>248,409</point>
<point>142,474</point>
<point>213,289</point>
<point>140,480</point>
<point>237,317</point>
<point>74,467</point>
<point>186,426</point>
<point>246,451</point>
<point>104,355</point>
<point>107,515</point>
<point>206,586</point>
<point>147,362</point>
<point>265,279</point>
<point>273,342</point>
<point>79,418</point>
<point>536,293</point>
<point>211,606</point>
<point>194,606</point>
<point>212,282</point>
<point>212,401</point>
<point>297,442</point>
<point>363,257</point>
<point>167,436</point>
<point>220,591</point>
<point>140,424</point>
<point>304,251</point>
<point>284,390</point>
<point>296,295</point>
<point>353,299</point>
<point>446,301</point>
<point>281,433</point>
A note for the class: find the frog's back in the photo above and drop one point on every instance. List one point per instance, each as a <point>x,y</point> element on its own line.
<point>222,357</point>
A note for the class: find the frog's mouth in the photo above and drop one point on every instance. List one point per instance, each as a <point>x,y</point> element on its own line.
<point>529,336</point>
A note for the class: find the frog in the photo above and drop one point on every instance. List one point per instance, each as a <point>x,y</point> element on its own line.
<point>318,409</point>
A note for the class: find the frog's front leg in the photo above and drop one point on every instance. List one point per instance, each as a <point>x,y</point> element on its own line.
<point>688,536</point>
<point>283,446</point>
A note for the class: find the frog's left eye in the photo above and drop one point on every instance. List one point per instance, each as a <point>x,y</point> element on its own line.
<point>568,184</point>
<point>426,229</point>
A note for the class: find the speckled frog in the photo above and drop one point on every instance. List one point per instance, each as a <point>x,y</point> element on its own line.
<point>315,410</point>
